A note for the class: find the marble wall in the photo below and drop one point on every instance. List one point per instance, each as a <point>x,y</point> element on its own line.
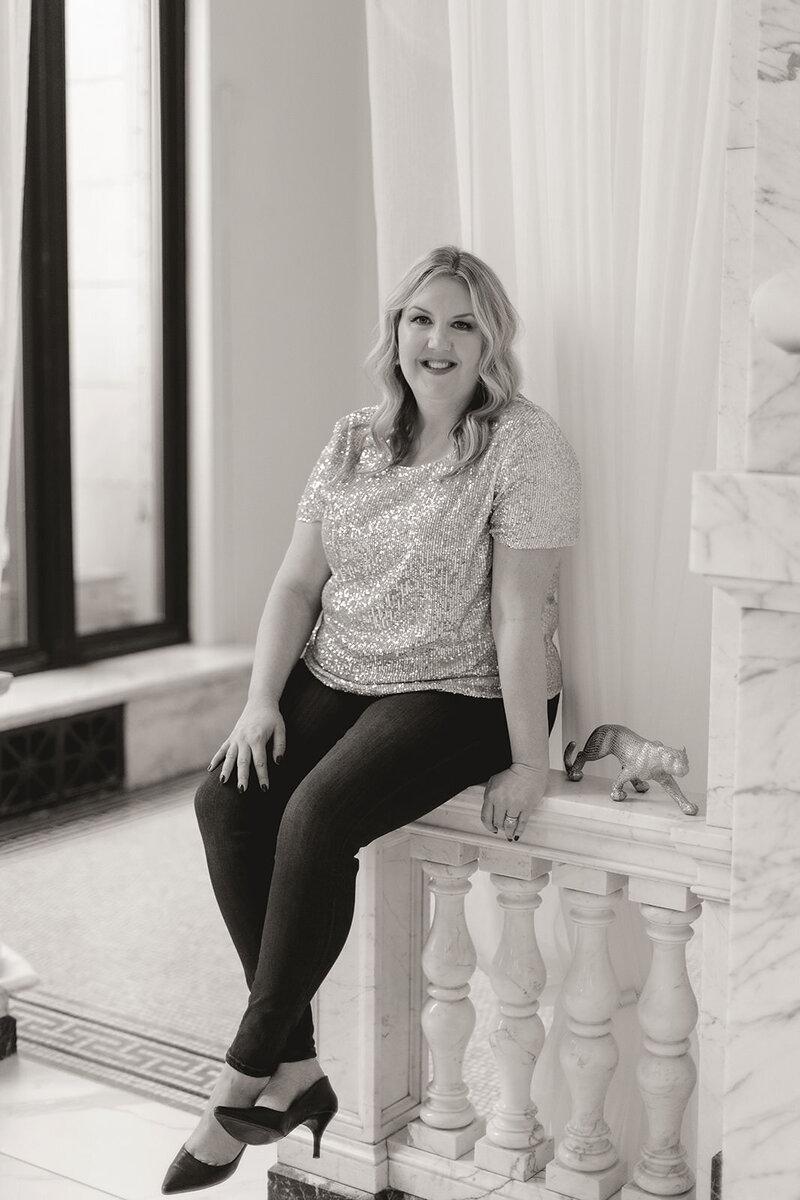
<point>745,519</point>
<point>761,1153</point>
<point>773,412</point>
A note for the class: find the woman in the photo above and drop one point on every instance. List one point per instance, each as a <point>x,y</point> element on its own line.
<point>405,652</point>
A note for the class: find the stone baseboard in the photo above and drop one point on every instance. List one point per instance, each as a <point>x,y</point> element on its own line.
<point>288,1183</point>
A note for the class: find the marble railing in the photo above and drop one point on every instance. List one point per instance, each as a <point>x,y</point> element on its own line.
<point>428,1141</point>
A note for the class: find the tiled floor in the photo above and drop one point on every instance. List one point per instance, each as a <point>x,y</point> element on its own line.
<point>63,1137</point>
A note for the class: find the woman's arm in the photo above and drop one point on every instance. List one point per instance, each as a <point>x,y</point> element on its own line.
<point>519,587</point>
<point>290,613</point>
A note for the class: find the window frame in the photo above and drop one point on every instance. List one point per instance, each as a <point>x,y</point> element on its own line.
<point>52,639</point>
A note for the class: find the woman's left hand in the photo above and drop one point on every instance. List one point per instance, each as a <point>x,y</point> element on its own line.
<point>510,798</point>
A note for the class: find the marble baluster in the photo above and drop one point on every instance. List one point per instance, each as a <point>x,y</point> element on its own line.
<point>586,1162</point>
<point>515,1144</point>
<point>666,1073</point>
<point>448,1125</point>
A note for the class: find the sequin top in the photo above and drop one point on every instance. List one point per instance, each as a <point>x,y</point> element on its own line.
<point>407,606</point>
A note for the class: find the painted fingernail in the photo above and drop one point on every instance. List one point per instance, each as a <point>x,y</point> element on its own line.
<point>241,787</point>
<point>279,758</point>
<point>516,837</point>
<point>223,779</point>
<point>210,767</point>
<point>265,787</point>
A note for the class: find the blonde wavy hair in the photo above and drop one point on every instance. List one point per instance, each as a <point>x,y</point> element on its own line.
<point>393,425</point>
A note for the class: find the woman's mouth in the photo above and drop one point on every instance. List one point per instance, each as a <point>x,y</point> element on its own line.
<point>438,366</point>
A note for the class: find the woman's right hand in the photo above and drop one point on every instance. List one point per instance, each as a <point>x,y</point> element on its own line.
<point>259,722</point>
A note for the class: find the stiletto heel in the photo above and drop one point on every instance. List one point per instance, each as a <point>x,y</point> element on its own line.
<point>318,1124</point>
<point>260,1125</point>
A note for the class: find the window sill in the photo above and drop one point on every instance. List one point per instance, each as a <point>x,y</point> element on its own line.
<point>48,694</point>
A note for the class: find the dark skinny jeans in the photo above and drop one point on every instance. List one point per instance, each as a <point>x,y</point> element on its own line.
<point>283,863</point>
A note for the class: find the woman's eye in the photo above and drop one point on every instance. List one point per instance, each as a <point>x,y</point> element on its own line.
<point>419,319</point>
<point>462,325</point>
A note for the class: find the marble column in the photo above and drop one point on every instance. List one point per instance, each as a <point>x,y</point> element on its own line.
<point>746,540</point>
<point>761,1153</point>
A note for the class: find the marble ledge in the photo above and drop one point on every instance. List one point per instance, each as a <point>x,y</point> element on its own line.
<point>48,694</point>
<point>746,525</point>
<point>578,824</point>
<point>758,593</point>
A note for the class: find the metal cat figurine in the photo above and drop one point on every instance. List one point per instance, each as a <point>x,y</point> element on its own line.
<point>639,758</point>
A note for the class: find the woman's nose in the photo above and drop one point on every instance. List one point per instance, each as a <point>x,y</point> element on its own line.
<point>438,337</point>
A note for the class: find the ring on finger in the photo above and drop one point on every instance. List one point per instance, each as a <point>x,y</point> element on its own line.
<point>511,825</point>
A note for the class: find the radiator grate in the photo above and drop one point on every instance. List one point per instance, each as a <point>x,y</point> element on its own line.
<point>56,761</point>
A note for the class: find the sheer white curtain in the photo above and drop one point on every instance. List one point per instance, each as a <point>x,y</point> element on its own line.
<point>580,151</point>
<point>15,18</point>
<point>413,136</point>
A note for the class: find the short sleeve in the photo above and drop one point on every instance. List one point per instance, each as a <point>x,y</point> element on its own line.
<point>316,493</point>
<point>538,486</point>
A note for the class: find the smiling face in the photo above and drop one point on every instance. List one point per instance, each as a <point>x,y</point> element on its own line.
<point>439,344</point>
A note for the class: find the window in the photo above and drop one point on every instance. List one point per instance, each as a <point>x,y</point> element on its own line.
<point>96,537</point>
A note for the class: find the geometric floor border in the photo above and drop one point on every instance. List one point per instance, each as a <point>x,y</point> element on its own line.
<point>159,1068</point>
<point>149,1066</point>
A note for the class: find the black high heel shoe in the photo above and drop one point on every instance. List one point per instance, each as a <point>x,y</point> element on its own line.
<point>188,1174</point>
<point>257,1126</point>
